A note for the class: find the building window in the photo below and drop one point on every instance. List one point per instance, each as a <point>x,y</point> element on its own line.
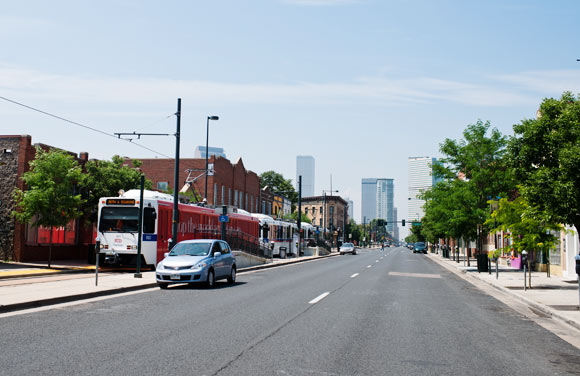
<point>306,211</point>
<point>235,197</point>
<point>331,213</point>
<point>320,222</point>
<point>223,195</point>
<point>313,210</point>
<point>321,210</point>
<point>229,196</point>
<point>251,203</point>
<point>215,194</point>
<point>162,186</point>
<point>247,203</point>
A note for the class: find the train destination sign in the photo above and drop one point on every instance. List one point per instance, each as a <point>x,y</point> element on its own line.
<point>120,201</point>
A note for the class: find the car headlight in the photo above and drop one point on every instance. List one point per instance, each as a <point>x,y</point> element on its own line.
<point>199,266</point>
<point>159,266</point>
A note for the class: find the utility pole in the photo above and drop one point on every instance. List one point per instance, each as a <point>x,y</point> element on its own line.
<point>299,215</point>
<point>176,173</point>
<point>176,178</point>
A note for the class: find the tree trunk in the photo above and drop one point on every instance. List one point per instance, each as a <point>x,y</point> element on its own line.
<point>50,246</point>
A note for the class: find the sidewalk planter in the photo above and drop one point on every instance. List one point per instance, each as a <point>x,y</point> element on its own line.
<point>516,263</point>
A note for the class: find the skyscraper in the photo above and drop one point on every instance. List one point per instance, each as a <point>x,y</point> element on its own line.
<point>368,207</point>
<point>305,168</point>
<point>377,201</point>
<point>420,179</point>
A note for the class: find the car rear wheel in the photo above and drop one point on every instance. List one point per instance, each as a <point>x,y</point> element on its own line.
<point>162,285</point>
<point>232,277</point>
<point>210,279</point>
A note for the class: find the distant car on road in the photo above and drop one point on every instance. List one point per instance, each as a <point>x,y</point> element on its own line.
<point>419,247</point>
<point>195,261</point>
<point>347,248</point>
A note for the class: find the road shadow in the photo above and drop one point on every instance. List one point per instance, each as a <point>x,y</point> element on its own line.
<point>201,286</point>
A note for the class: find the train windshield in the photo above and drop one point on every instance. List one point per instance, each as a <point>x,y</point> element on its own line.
<point>190,249</point>
<point>119,219</point>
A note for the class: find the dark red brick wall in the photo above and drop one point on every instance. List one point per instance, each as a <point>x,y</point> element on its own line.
<point>231,176</point>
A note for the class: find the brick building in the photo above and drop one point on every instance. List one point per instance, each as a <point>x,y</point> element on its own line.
<point>23,242</point>
<point>230,184</point>
<point>329,212</point>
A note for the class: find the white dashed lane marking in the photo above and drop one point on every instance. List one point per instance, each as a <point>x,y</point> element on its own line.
<point>319,298</point>
<point>354,275</point>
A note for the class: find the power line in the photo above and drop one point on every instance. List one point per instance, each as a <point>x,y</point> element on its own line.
<point>83,125</point>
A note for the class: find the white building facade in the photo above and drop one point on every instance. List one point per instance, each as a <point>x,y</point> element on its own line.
<point>420,179</point>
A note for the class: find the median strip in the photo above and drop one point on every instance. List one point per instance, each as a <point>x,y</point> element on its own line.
<point>319,298</point>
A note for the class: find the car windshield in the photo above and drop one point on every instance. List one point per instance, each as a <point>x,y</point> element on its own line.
<point>191,249</point>
<point>348,245</point>
<point>419,244</point>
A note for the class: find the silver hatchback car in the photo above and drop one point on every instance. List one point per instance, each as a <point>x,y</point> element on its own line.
<point>194,261</point>
<point>347,248</point>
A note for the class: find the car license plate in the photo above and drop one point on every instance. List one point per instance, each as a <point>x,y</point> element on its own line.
<point>175,276</point>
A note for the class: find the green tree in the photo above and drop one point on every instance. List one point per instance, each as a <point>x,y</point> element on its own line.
<point>279,185</point>
<point>51,199</point>
<point>545,153</point>
<point>526,230</point>
<point>355,230</point>
<point>106,179</point>
<point>479,169</point>
<point>294,217</point>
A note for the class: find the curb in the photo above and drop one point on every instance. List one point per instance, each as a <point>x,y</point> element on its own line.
<point>538,306</point>
<point>120,290</point>
<point>71,298</point>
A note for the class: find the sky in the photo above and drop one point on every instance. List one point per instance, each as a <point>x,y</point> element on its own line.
<point>361,85</point>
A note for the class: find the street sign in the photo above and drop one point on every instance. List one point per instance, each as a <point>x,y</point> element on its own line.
<point>416,223</point>
<point>224,218</point>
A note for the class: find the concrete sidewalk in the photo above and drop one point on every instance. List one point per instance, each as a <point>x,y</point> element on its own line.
<point>73,281</point>
<point>550,295</point>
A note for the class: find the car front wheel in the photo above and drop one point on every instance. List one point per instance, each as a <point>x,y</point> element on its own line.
<point>210,279</point>
<point>161,285</point>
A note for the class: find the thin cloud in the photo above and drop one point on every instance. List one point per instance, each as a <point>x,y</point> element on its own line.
<point>500,91</point>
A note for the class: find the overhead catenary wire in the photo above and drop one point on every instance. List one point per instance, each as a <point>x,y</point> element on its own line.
<point>84,126</point>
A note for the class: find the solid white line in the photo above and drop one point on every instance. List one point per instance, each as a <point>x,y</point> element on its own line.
<point>319,298</point>
<point>354,275</point>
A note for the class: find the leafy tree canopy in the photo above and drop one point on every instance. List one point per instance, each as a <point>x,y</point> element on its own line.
<point>526,231</point>
<point>51,199</point>
<point>279,185</point>
<point>106,178</point>
<point>546,155</point>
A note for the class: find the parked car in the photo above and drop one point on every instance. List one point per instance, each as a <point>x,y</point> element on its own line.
<point>419,247</point>
<point>347,248</point>
<point>197,261</point>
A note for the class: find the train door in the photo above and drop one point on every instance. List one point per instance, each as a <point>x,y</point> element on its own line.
<point>163,231</point>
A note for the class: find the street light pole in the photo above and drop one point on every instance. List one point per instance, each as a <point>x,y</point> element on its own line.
<point>176,178</point>
<point>206,150</point>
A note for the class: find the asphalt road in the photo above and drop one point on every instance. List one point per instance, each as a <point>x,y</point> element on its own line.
<point>376,313</point>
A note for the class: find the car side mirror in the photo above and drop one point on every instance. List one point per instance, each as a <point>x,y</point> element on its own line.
<point>217,254</point>
<point>166,254</point>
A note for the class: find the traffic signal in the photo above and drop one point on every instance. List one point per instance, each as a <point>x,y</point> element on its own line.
<point>403,222</point>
